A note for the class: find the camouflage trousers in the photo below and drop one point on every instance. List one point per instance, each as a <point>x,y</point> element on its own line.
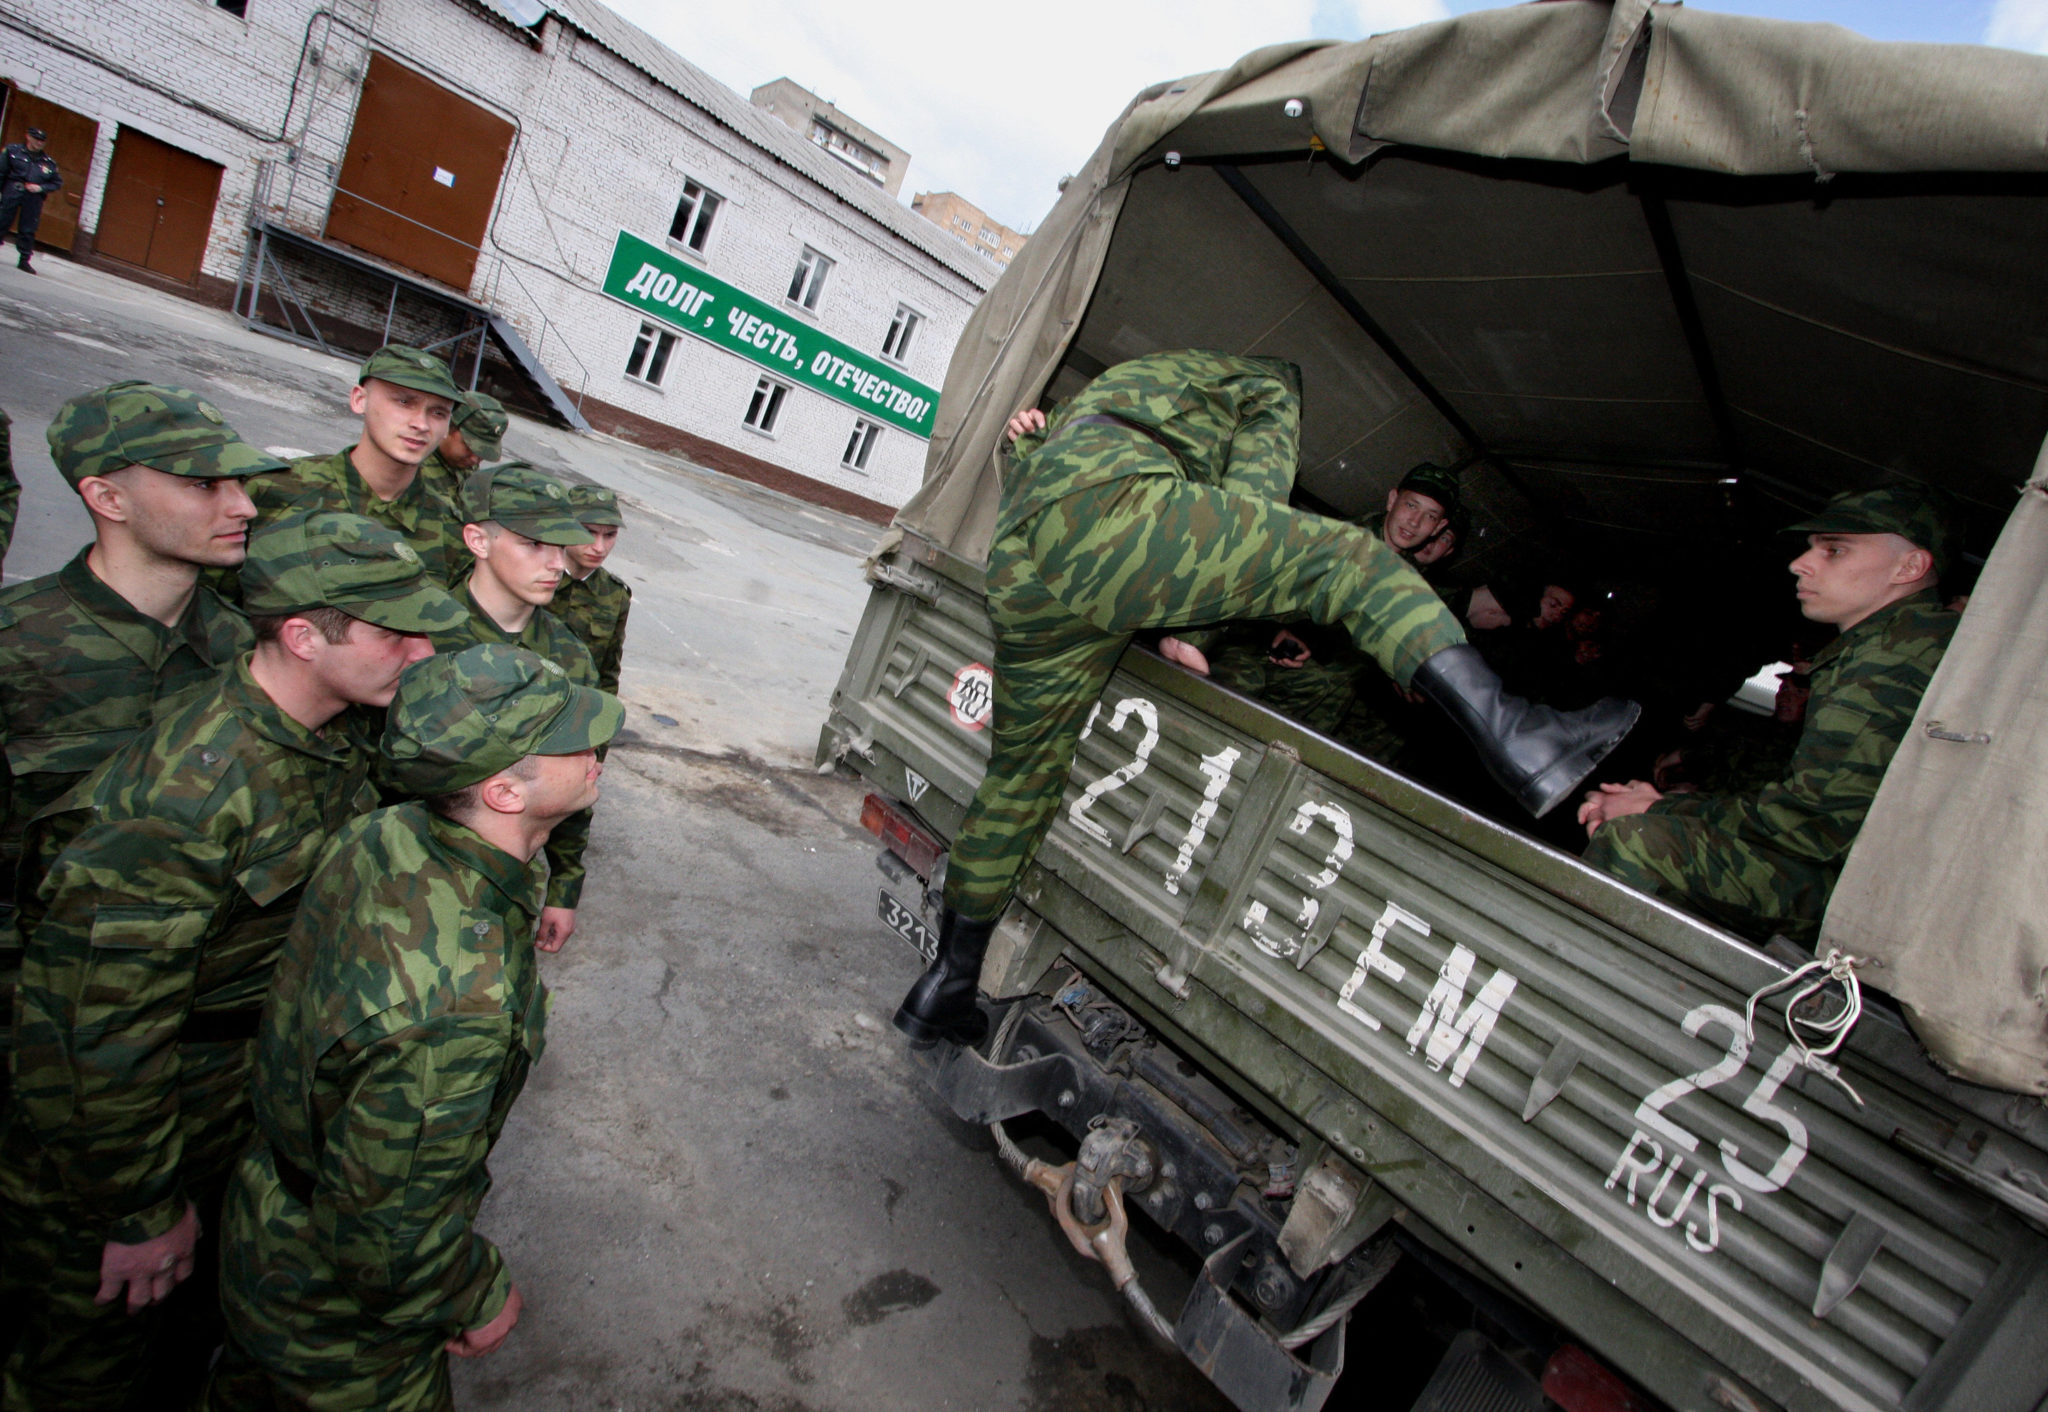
<point>1328,694</point>
<point>1752,891</point>
<point>297,1339</point>
<point>69,1354</point>
<point>1069,586</point>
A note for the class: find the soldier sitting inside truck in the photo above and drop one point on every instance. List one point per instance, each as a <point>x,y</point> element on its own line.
<point>1765,862</point>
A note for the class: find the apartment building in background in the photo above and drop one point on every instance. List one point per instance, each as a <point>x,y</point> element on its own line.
<point>973,227</point>
<point>819,122</point>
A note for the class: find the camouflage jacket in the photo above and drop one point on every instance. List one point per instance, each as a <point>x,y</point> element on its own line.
<point>1867,684</point>
<point>545,635</point>
<point>10,486</point>
<point>165,912</point>
<point>595,610</point>
<point>1190,406</point>
<point>430,523</point>
<point>408,1011</point>
<point>81,671</point>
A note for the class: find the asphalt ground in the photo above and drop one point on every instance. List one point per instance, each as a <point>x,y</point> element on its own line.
<point>726,1186</point>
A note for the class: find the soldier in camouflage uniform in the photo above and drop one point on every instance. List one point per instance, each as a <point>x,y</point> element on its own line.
<point>88,653</point>
<point>519,528</point>
<point>476,438</point>
<point>407,1014</point>
<point>149,955</point>
<point>1767,861</point>
<point>1318,677</point>
<point>592,601</point>
<point>405,398</point>
<point>1157,498</point>
<point>10,487</point>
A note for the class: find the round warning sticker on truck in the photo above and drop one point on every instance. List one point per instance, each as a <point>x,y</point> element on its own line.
<point>972,697</point>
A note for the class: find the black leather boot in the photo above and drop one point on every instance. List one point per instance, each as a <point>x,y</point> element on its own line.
<point>941,1004</point>
<point>1536,753</point>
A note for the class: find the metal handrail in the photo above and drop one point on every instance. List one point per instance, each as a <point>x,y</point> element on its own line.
<point>499,267</point>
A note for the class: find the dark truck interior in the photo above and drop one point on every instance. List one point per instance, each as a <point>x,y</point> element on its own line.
<point>1640,373</point>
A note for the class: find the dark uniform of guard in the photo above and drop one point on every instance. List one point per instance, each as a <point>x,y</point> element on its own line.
<point>24,165</point>
<point>144,968</point>
<point>1157,498</point>
<point>409,1010</point>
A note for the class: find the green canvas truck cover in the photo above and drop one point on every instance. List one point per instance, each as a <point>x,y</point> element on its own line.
<point>1740,249</point>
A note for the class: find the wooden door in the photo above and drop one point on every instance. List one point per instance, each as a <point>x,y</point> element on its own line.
<point>420,176</point>
<point>71,142</point>
<point>158,210</point>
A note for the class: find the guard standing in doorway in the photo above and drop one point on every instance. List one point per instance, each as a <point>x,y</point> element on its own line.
<point>27,175</point>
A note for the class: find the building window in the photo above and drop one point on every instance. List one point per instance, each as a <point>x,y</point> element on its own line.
<point>648,361</point>
<point>897,344</point>
<point>765,410</point>
<point>694,213</point>
<point>238,8</point>
<point>809,280</point>
<point>860,444</point>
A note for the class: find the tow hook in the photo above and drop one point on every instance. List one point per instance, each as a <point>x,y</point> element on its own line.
<point>1112,1155</point>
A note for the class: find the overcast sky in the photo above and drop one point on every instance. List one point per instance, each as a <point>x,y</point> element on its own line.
<point>997,101</point>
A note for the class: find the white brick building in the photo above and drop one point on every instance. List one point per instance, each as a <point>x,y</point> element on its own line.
<point>602,130</point>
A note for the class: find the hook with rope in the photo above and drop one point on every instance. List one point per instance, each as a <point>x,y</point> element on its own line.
<point>1838,967</point>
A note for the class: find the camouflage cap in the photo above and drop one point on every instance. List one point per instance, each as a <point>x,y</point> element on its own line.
<point>332,559</point>
<point>481,419</point>
<point>411,367</point>
<point>594,505</point>
<point>1437,482</point>
<point>1918,513</point>
<point>167,429</point>
<point>524,499</point>
<point>461,717</point>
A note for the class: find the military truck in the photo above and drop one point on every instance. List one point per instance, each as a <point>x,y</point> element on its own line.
<point>1650,273</point>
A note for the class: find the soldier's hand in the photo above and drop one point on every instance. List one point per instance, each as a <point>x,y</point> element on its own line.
<point>1287,650</point>
<point>151,1270</point>
<point>475,1343</point>
<point>1615,801</point>
<point>557,925</point>
<point>1024,422</point>
<point>1184,654</point>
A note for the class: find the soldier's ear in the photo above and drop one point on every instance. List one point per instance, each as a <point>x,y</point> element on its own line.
<point>104,497</point>
<point>1915,564</point>
<point>478,539</point>
<point>502,793</point>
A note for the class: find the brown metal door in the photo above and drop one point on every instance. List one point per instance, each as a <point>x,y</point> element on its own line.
<point>71,139</point>
<point>158,209</point>
<point>420,176</point>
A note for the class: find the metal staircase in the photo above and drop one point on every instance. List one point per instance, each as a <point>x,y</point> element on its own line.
<point>288,215</point>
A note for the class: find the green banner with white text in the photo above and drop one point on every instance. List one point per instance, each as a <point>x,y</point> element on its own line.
<point>665,287</point>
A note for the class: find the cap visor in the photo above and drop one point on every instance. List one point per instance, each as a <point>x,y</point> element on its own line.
<point>236,458</point>
<point>1833,524</point>
<point>487,449</point>
<point>420,382</point>
<point>428,608</point>
<point>555,529</point>
<point>591,718</point>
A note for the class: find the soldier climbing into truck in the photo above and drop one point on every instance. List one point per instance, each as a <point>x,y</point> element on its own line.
<point>1157,497</point>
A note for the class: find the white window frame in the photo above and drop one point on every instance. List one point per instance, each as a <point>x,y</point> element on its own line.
<point>697,227</point>
<point>860,445</point>
<point>807,282</point>
<point>774,392</point>
<point>899,353</point>
<point>652,345</point>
